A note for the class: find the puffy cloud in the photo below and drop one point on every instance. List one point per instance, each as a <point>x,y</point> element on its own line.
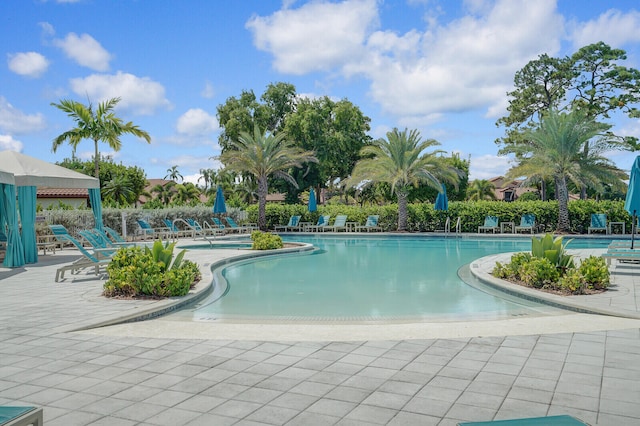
<point>196,122</point>
<point>85,50</point>
<point>613,27</point>
<point>47,29</point>
<point>15,121</point>
<point>139,94</point>
<point>29,64</point>
<point>7,142</point>
<point>488,166</point>
<point>316,36</point>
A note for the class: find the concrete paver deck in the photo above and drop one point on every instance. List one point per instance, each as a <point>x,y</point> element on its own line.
<point>429,375</point>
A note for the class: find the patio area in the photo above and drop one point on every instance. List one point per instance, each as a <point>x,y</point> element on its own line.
<point>166,372</point>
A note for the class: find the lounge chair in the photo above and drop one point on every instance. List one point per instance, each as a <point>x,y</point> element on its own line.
<point>174,231</point>
<point>621,254</point>
<point>247,227</point>
<point>97,259</point>
<point>204,230</point>
<point>561,420</point>
<point>490,224</point>
<point>117,238</point>
<point>527,223</point>
<point>370,225</point>
<point>321,225</point>
<point>17,416</point>
<point>340,224</point>
<point>146,230</point>
<point>598,223</point>
<point>218,223</point>
<point>292,225</point>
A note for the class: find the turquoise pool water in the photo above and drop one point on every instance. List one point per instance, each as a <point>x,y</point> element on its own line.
<point>368,278</point>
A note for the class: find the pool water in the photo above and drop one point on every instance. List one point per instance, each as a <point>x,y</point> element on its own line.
<point>368,278</point>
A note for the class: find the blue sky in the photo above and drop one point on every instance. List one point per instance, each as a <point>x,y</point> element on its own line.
<point>442,67</point>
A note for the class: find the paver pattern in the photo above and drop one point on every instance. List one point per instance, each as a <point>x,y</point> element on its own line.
<point>93,379</point>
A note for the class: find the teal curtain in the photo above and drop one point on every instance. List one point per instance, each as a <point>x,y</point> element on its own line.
<point>27,207</point>
<point>3,216</point>
<point>15,251</point>
<point>96,206</point>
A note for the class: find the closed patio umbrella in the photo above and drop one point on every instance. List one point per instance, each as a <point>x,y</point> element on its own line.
<point>442,202</point>
<point>218,205</point>
<point>632,202</point>
<point>312,201</point>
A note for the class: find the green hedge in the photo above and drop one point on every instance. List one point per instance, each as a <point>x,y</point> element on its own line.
<point>422,216</point>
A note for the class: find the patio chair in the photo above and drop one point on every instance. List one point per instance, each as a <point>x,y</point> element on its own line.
<point>218,223</point>
<point>97,259</point>
<point>370,225</point>
<point>527,223</point>
<point>16,416</point>
<point>246,227</point>
<point>490,224</point>
<point>598,223</point>
<point>561,420</point>
<point>174,231</point>
<point>321,225</point>
<point>292,225</point>
<point>146,230</point>
<point>340,224</point>
<point>203,231</point>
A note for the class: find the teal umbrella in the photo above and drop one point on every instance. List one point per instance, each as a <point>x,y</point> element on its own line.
<point>442,202</point>
<point>312,201</point>
<point>218,205</point>
<point>632,202</point>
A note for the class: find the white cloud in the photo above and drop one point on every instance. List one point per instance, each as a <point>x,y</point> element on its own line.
<point>196,122</point>
<point>488,166</point>
<point>316,36</point>
<point>208,92</point>
<point>14,121</point>
<point>85,50</point>
<point>29,64</point>
<point>612,27</point>
<point>7,142</point>
<point>47,29</point>
<point>139,94</point>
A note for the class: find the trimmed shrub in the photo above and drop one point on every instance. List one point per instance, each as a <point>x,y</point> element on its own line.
<point>539,273</point>
<point>266,241</point>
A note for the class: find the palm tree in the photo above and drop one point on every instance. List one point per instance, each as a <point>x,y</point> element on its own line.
<point>164,192</point>
<point>173,174</point>
<point>100,125</point>
<point>187,192</point>
<point>481,189</point>
<point>119,190</point>
<point>209,177</point>
<point>556,149</point>
<point>262,155</point>
<point>402,162</point>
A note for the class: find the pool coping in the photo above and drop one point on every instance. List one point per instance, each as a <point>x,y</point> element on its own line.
<point>481,268</point>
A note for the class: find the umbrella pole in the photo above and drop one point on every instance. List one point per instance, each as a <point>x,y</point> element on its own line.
<point>633,228</point>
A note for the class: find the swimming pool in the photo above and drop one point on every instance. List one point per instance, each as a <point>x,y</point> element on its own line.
<point>368,279</point>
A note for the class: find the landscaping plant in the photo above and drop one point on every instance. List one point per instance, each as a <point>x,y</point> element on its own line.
<point>265,241</point>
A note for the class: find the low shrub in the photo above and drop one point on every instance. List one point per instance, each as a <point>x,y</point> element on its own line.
<point>595,272</point>
<point>539,273</point>
<point>135,272</point>
<point>265,241</point>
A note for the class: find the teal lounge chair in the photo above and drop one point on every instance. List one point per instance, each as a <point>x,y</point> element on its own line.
<point>562,420</point>
<point>97,259</point>
<point>247,227</point>
<point>204,230</point>
<point>370,225</point>
<point>146,230</point>
<point>117,238</point>
<point>218,223</point>
<point>527,223</point>
<point>175,231</point>
<point>340,224</point>
<point>321,225</point>
<point>598,223</point>
<point>292,225</point>
<point>16,416</point>
<point>490,224</point>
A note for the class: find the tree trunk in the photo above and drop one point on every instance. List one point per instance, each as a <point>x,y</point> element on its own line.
<point>562,196</point>
<point>402,210</point>
<point>97,159</point>
<point>543,190</point>
<point>263,189</point>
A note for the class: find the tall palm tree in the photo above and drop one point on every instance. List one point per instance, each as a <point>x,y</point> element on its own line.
<point>164,192</point>
<point>173,174</point>
<point>556,149</point>
<point>100,125</point>
<point>187,192</point>
<point>262,155</point>
<point>402,162</point>
<point>209,177</point>
<point>481,189</point>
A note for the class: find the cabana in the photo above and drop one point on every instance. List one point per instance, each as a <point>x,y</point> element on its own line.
<point>29,173</point>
